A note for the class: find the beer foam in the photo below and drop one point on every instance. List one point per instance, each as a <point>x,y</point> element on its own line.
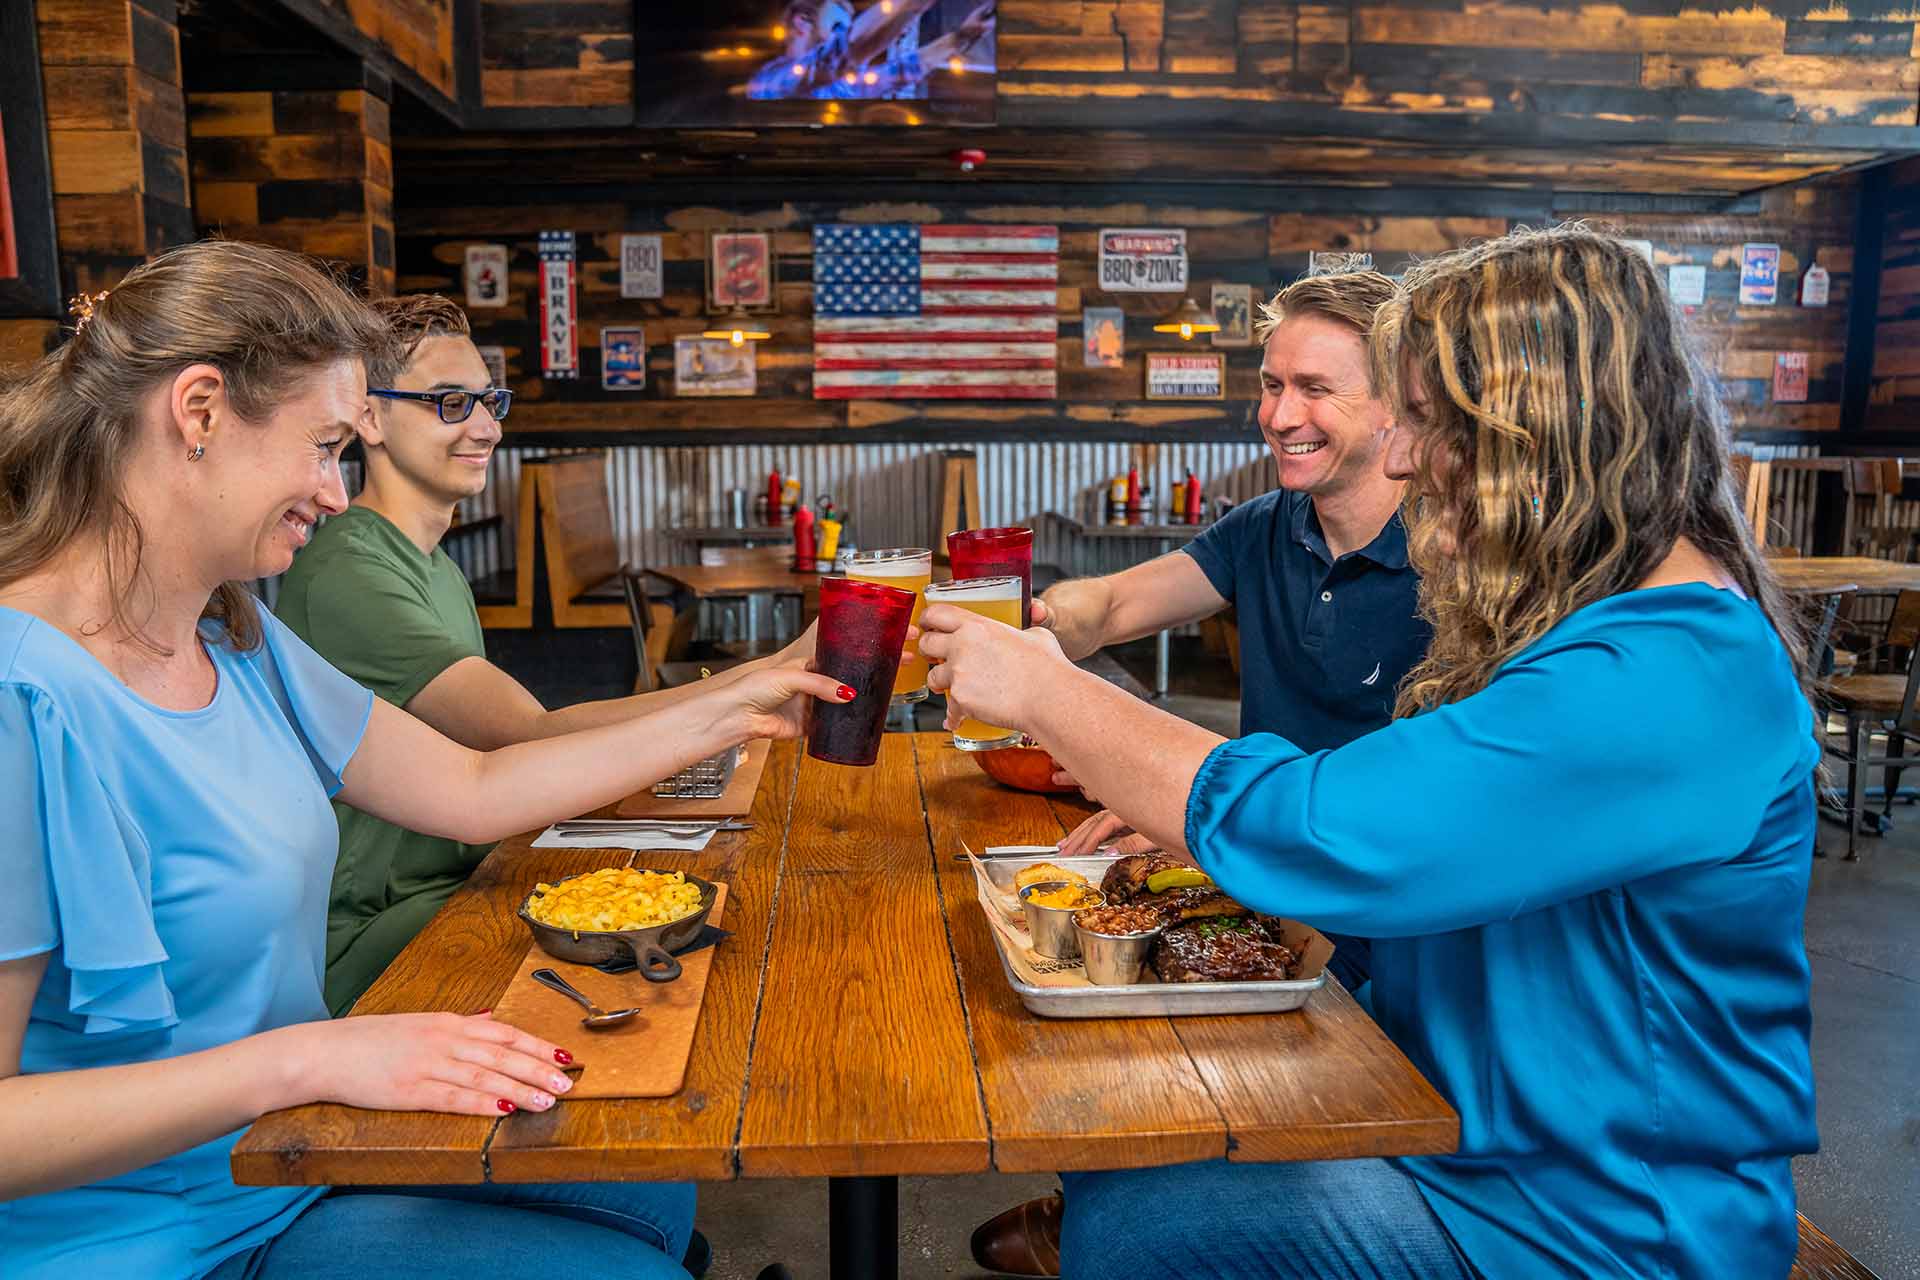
<point>900,566</point>
<point>974,589</point>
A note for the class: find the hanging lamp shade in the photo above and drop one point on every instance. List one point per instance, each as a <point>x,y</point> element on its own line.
<point>1188,320</point>
<point>736,326</point>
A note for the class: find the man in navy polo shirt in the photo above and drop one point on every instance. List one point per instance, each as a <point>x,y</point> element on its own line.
<point>1317,571</point>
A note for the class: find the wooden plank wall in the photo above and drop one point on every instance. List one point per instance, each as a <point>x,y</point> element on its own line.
<point>1776,61</point>
<point>1894,400</point>
<point>418,34</point>
<point>556,53</point>
<point>117,133</point>
<point>1227,245</point>
<point>310,170</point>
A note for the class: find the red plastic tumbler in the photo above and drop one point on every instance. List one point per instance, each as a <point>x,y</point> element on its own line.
<point>863,628</point>
<point>996,553</point>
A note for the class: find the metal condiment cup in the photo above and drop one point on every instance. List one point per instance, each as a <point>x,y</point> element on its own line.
<point>1052,928</point>
<point>1115,959</point>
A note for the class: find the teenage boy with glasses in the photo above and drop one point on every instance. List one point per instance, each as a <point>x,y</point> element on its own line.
<point>376,595</point>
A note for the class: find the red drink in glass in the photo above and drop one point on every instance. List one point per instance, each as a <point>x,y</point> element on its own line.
<point>863,628</point>
<point>996,553</point>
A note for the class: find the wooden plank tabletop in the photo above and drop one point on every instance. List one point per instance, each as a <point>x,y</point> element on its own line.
<point>1835,573</point>
<point>858,1023</point>
<point>705,580</point>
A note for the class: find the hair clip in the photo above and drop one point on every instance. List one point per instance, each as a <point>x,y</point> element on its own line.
<point>83,306</point>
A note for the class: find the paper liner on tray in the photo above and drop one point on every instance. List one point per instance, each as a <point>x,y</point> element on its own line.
<point>1008,920</point>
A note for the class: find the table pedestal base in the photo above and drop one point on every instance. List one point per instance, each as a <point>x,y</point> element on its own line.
<point>863,1228</point>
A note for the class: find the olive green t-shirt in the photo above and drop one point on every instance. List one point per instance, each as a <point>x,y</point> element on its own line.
<point>368,602</point>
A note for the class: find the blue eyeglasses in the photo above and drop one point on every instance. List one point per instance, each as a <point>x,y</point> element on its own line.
<point>456,406</point>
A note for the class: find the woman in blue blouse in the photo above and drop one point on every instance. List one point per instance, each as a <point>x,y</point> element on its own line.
<point>167,751</point>
<point>1583,847</point>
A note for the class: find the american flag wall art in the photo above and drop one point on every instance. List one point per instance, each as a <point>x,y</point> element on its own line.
<point>907,312</point>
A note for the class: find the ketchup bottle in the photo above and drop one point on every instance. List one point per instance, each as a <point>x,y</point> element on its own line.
<point>773,497</point>
<point>1193,498</point>
<point>803,549</point>
<point>1133,493</point>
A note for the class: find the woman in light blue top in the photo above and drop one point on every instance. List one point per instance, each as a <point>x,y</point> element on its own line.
<point>1583,847</point>
<point>167,751</point>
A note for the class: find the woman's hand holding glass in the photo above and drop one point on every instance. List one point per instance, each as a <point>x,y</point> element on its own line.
<point>772,702</point>
<point>986,669</point>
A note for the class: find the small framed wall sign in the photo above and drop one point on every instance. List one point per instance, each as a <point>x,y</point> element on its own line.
<point>712,367</point>
<point>740,270</point>
<point>640,267</point>
<point>486,275</point>
<point>1790,377</point>
<point>559,340</point>
<point>1759,275</point>
<point>1103,337</point>
<point>1233,309</point>
<point>623,358</point>
<point>1181,375</point>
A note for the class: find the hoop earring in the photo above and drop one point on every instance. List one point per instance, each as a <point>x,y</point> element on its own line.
<point>198,452</point>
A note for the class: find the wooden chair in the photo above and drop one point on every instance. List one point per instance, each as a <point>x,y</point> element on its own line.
<point>1882,701</point>
<point>1819,1258</point>
<point>564,525</point>
<point>1756,490</point>
<point>658,635</point>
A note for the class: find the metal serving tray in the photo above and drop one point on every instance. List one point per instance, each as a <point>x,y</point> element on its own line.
<point>1143,999</point>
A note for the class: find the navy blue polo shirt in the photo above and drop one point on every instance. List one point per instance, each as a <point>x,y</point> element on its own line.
<point>1323,642</point>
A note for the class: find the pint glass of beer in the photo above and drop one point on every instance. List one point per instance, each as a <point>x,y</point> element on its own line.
<point>995,553</point>
<point>996,598</point>
<point>910,569</point>
<point>863,627</point>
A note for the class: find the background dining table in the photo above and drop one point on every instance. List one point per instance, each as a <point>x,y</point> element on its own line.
<point>858,1026</point>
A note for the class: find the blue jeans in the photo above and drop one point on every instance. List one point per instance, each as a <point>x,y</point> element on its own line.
<point>1324,1220</point>
<point>501,1231</point>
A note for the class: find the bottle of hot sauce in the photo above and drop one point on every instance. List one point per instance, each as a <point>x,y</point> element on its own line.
<point>803,549</point>
<point>1133,495</point>
<point>1192,504</point>
<point>773,497</point>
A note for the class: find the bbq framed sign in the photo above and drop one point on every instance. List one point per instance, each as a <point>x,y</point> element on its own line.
<point>29,258</point>
<point>1182,375</point>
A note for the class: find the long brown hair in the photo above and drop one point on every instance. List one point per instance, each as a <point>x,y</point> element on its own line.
<point>264,317</point>
<point>1571,436</point>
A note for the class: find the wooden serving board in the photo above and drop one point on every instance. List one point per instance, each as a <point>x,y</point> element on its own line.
<point>736,802</point>
<point>643,1057</point>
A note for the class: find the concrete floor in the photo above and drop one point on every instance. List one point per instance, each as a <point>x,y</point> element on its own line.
<point>1862,1188</point>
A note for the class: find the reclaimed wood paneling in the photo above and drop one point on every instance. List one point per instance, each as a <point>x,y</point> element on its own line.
<point>1240,63</point>
<point>116,133</point>
<point>556,54</point>
<point>1234,239</point>
<point>1894,398</point>
<point>417,34</point>
<point>308,169</point>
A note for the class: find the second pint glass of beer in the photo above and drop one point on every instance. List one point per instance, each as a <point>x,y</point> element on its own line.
<point>996,598</point>
<point>910,569</point>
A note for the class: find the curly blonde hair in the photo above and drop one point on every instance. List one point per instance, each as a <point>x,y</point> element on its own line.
<point>1570,438</point>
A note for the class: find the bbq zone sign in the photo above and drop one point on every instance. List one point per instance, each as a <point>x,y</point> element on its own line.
<point>1143,260</point>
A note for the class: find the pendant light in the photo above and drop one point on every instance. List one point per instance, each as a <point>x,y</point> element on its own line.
<point>736,327</point>
<point>1187,320</point>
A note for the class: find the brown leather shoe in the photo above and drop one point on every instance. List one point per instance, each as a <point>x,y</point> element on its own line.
<point>1023,1241</point>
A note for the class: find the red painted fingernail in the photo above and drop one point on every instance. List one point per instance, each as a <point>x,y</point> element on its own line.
<point>484,1012</point>
<point>506,1108</point>
<point>562,1057</point>
<point>847,693</point>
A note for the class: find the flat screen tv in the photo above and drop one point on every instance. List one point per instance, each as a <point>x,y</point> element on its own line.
<point>724,63</point>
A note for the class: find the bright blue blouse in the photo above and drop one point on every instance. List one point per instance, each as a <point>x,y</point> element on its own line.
<point>1586,885</point>
<point>174,866</point>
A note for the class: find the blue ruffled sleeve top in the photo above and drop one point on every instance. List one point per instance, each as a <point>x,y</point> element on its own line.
<point>173,867</point>
<point>1586,884</point>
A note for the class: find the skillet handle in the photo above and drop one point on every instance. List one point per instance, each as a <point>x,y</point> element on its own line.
<point>655,962</point>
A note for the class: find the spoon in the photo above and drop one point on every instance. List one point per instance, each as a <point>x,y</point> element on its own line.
<point>597,1019</point>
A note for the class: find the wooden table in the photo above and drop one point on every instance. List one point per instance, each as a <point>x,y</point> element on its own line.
<point>858,1026</point>
<point>1809,575</point>
<point>696,583</point>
